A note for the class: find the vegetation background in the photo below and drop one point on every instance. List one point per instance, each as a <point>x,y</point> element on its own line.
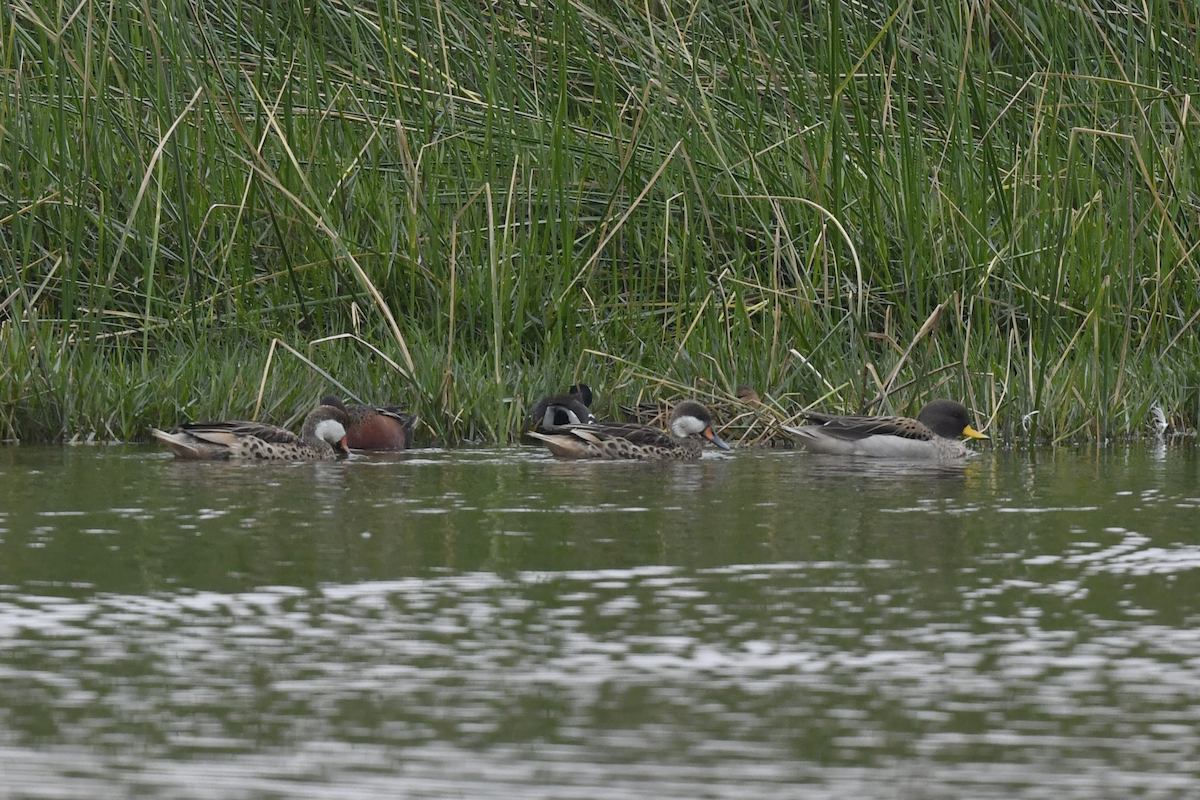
<point>216,209</point>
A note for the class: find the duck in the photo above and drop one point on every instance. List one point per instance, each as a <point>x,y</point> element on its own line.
<point>571,407</point>
<point>933,435</point>
<point>748,395</point>
<point>690,427</point>
<point>323,437</point>
<point>375,427</point>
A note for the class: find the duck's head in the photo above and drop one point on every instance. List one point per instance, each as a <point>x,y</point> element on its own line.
<point>328,423</point>
<point>582,392</point>
<point>333,400</point>
<point>692,419</point>
<point>948,419</point>
<point>748,396</point>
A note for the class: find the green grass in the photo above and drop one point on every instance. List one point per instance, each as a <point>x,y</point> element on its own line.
<point>505,197</point>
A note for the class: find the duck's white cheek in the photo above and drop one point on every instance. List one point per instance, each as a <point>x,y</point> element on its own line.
<point>330,430</point>
<point>683,428</point>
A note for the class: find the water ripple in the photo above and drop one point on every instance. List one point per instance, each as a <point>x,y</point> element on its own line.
<point>447,667</point>
<point>770,626</point>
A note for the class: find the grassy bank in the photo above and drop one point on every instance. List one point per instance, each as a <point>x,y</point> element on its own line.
<point>832,202</point>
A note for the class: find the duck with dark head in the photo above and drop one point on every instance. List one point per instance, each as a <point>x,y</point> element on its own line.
<point>933,435</point>
<point>572,407</point>
<point>375,427</point>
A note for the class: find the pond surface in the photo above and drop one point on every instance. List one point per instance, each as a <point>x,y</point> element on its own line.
<point>492,623</point>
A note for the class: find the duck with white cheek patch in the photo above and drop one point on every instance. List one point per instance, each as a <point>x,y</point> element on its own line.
<point>323,437</point>
<point>690,428</point>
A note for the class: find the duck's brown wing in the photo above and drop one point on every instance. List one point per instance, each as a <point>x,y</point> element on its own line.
<point>221,431</point>
<point>642,435</point>
<point>380,428</point>
<point>851,428</point>
<point>407,421</point>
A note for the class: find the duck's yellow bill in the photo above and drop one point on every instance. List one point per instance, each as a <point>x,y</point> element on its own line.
<point>974,434</point>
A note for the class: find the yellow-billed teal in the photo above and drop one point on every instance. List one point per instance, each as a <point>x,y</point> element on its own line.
<point>933,435</point>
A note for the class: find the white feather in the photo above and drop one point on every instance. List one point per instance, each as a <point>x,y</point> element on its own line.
<point>687,425</point>
<point>330,430</point>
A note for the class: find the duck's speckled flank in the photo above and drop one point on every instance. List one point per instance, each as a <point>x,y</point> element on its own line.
<point>691,426</point>
<point>321,439</point>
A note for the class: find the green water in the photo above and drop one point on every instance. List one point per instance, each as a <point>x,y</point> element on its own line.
<point>492,623</point>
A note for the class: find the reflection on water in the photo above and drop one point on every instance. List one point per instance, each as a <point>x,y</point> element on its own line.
<point>498,624</point>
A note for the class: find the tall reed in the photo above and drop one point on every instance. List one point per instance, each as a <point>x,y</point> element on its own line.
<point>858,204</point>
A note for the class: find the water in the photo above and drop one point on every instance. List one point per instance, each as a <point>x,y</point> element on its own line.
<point>491,623</point>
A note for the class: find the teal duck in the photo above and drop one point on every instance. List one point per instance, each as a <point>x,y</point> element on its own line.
<point>323,437</point>
<point>748,396</point>
<point>571,407</point>
<point>933,435</point>
<point>690,427</point>
<point>375,427</point>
